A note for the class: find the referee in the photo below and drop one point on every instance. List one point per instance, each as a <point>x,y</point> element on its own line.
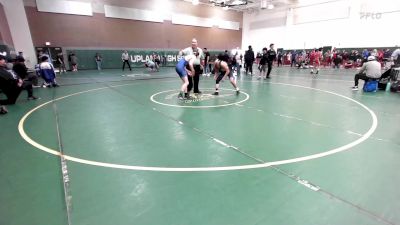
<point>198,66</point>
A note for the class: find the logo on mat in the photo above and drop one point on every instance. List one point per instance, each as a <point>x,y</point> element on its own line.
<point>226,97</point>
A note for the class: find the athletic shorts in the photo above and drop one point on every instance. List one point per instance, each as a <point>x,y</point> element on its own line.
<point>221,75</point>
<point>180,68</point>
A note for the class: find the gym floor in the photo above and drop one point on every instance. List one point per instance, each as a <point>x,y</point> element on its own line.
<point>291,150</point>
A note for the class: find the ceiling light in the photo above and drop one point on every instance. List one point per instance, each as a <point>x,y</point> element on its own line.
<point>228,3</point>
<point>195,2</point>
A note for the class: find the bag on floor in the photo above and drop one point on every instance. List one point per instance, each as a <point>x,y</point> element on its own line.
<point>371,86</point>
<point>395,87</point>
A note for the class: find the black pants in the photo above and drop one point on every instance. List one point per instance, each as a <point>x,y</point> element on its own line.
<point>269,68</point>
<point>249,67</point>
<point>127,62</point>
<point>279,62</point>
<point>222,75</point>
<point>194,81</point>
<point>360,76</point>
<point>336,65</point>
<point>391,74</point>
<point>386,74</point>
<point>33,79</point>
<point>13,93</point>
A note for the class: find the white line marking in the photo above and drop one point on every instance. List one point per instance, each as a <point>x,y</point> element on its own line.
<point>308,185</point>
<point>319,79</point>
<point>290,117</point>
<point>351,132</point>
<point>137,75</point>
<point>318,124</point>
<point>221,142</point>
<point>234,147</point>
<point>201,169</point>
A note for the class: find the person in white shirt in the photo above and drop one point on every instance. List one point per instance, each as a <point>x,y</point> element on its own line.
<point>198,65</point>
<point>369,70</point>
<point>125,60</point>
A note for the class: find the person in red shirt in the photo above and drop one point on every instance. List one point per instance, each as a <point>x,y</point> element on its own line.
<point>315,59</point>
<point>380,55</point>
<point>328,58</point>
<point>311,57</point>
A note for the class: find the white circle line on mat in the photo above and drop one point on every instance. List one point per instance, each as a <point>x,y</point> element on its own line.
<point>201,169</point>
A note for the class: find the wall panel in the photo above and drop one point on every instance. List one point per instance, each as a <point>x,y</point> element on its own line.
<point>132,14</point>
<point>5,33</point>
<point>66,7</point>
<point>101,32</point>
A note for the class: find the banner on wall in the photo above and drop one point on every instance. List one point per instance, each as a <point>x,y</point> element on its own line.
<point>167,58</point>
<point>112,58</point>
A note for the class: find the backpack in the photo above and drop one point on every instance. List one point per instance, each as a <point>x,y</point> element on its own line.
<point>370,86</point>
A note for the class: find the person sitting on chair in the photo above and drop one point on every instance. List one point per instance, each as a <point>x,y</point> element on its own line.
<point>370,70</point>
<point>11,85</point>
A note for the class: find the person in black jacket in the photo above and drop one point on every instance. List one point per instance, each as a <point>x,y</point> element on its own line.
<point>263,63</point>
<point>280,56</point>
<point>207,64</point>
<point>11,85</point>
<point>271,53</point>
<point>249,60</point>
<point>21,70</point>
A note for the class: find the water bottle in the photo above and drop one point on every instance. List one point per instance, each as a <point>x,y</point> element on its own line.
<point>388,86</point>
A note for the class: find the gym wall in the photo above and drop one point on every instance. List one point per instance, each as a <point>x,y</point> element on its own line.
<point>98,31</point>
<point>112,58</point>
<point>338,23</point>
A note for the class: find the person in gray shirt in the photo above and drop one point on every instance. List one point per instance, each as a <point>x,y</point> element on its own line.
<point>369,70</point>
<point>98,60</point>
<point>396,57</point>
<point>198,65</point>
<point>125,60</point>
